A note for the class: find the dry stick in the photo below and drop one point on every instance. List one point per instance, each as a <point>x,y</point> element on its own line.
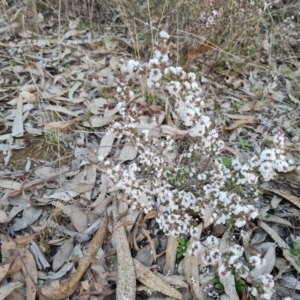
<point>68,287</point>
<point>126,285</point>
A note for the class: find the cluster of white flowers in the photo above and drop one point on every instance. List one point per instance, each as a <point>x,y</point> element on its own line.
<point>209,19</point>
<point>149,183</point>
<point>182,186</point>
<point>232,259</point>
<point>263,287</point>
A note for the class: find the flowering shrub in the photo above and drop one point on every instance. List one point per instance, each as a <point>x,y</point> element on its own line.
<point>182,175</point>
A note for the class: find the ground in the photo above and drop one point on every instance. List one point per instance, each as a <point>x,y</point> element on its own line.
<point>83,177</point>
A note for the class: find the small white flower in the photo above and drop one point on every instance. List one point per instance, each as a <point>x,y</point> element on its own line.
<point>223,271</point>
<point>164,35</point>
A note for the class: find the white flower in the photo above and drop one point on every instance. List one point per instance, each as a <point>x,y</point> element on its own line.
<point>164,35</point>
<point>268,154</point>
<point>153,62</point>
<point>256,261</point>
<point>237,250</point>
<point>223,271</point>
<point>212,240</point>
<point>253,291</point>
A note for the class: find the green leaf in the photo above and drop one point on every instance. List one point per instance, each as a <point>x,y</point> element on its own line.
<point>181,241</point>
<point>294,252</point>
<point>239,288</point>
<point>226,161</point>
<point>240,282</point>
<point>219,286</point>
<point>216,280</point>
<point>74,89</point>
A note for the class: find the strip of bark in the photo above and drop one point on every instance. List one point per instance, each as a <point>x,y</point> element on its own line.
<point>126,285</point>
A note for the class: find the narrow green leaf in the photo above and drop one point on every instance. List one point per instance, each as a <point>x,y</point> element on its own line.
<point>73,89</point>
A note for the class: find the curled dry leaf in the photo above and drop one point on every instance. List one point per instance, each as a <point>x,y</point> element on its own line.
<point>5,290</point>
<point>68,287</point>
<point>126,286</point>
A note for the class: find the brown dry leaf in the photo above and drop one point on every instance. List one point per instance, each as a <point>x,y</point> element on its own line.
<point>151,215</point>
<point>10,184</point>
<point>97,121</point>
<point>5,290</point>
<point>3,217</point>
<point>171,253</point>
<point>276,219</point>
<point>295,100</point>
<point>30,273</point>
<point>68,287</point>
<point>3,271</point>
<point>240,122</point>
<point>175,280</point>
<point>154,282</point>
<point>18,242</point>
<point>63,110</point>
<point>151,241</point>
<point>60,125</point>
<point>16,265</point>
<point>281,243</point>
<point>173,131</point>
<point>128,152</point>
<point>99,102</point>
<point>25,97</point>
<point>31,88</point>
<point>62,255</point>
<point>293,199</point>
<point>79,220</point>
<point>126,286</point>
<point>207,212</point>
<point>92,108</point>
